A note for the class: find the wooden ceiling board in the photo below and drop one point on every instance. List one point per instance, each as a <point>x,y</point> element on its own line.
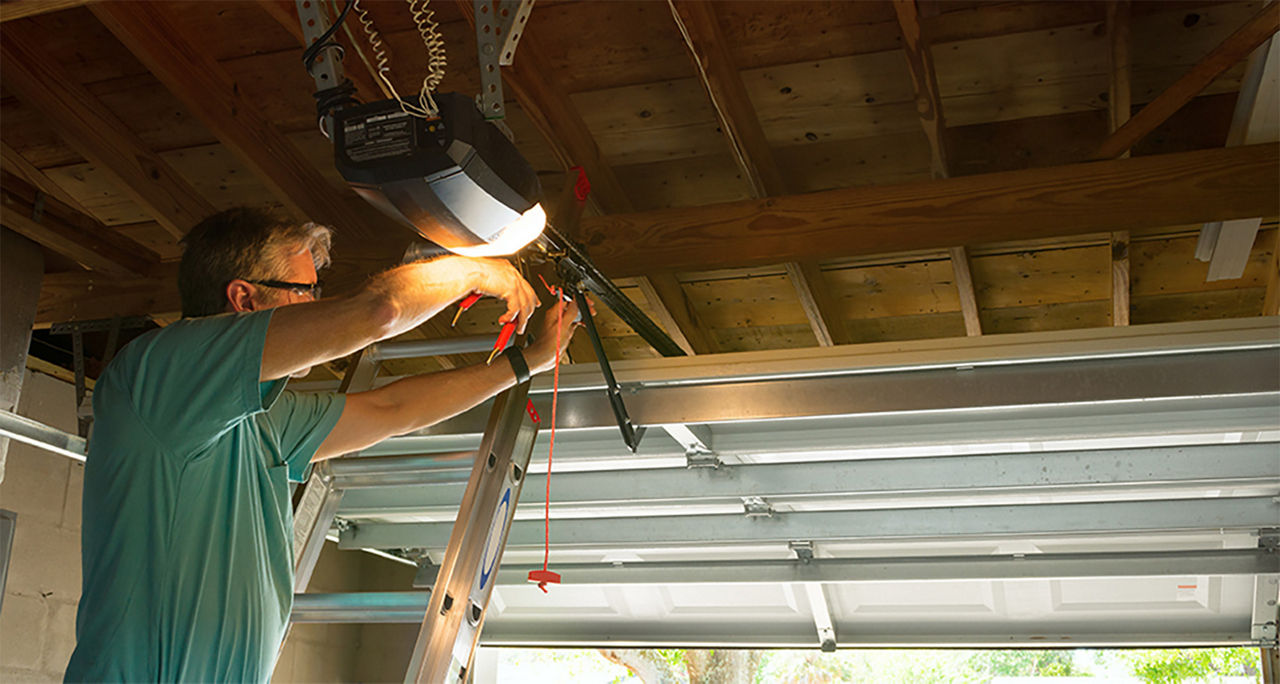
<point>601,45</point>
<point>1167,267</point>
<point>901,328</point>
<point>683,182</point>
<point>651,122</point>
<point>1197,306</point>
<point>1045,277</point>
<point>153,236</point>
<point>1062,316</point>
<point>828,164</point>
<point>892,290</point>
<point>762,338</point>
<point>764,301</point>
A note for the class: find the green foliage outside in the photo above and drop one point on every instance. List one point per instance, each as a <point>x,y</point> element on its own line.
<point>882,666</point>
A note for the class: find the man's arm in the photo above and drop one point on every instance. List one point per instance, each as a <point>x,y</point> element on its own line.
<point>417,402</point>
<point>304,335</point>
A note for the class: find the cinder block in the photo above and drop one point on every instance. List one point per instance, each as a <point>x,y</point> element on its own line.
<point>71,512</point>
<point>45,561</point>
<point>35,484</point>
<point>22,631</point>
<point>61,636</point>
<point>16,674</point>
<point>48,400</point>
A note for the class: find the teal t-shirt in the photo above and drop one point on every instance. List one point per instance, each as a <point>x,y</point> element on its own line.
<point>187,525</point>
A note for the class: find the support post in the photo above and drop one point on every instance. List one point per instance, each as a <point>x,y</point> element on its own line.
<point>23,269</point>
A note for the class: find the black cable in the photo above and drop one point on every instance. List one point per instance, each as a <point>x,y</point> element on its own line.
<point>309,55</point>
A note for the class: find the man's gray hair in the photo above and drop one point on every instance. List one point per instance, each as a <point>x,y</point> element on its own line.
<point>244,242</point>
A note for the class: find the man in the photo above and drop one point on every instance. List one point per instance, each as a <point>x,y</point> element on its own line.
<point>187,534</point>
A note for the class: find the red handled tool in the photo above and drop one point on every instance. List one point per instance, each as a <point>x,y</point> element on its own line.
<point>503,337</point>
<point>465,304</point>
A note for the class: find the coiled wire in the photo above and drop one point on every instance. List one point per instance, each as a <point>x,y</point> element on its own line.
<point>427,27</point>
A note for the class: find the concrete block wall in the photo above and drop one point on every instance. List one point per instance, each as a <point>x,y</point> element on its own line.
<point>38,615</point>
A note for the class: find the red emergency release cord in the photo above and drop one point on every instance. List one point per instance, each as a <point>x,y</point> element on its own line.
<point>545,576</point>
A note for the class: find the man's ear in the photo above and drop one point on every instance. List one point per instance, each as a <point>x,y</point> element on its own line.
<point>240,296</point>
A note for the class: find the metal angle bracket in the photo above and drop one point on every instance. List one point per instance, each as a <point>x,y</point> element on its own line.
<point>702,459</point>
<point>498,31</point>
<point>1263,626</point>
<point>803,550</point>
<point>757,507</point>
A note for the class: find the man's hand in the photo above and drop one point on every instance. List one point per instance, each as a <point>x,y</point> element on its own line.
<point>498,278</point>
<point>542,354</point>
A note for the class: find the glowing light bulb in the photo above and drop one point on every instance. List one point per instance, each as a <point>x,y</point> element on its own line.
<point>512,237</point>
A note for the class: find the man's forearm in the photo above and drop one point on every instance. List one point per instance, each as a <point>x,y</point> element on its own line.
<point>416,292</point>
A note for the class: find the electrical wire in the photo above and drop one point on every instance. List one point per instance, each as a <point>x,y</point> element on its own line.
<point>322,43</point>
<point>424,20</point>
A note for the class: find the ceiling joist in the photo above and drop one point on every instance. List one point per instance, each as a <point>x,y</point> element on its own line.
<point>204,86</point>
<point>50,222</point>
<point>106,141</point>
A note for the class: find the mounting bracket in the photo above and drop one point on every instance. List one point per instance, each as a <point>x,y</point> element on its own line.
<point>498,32</point>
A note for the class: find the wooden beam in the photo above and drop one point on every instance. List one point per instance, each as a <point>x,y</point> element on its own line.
<point>15,163</point>
<point>807,279</point>
<point>86,296</point>
<point>18,9</point>
<point>547,104</point>
<point>90,127</point>
<point>191,74</point>
<point>666,294</point>
<point>1075,199</point>
<point>723,84</point>
<point>1120,104</point>
<point>285,13</point>
<point>968,295</point>
<point>1271,301</point>
<point>44,219</point>
<point>1236,47</point>
<point>924,80</point>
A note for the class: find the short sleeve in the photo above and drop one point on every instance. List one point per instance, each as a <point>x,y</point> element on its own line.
<point>196,378</point>
<point>301,421</point>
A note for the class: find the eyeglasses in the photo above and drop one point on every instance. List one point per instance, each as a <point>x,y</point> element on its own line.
<point>312,289</point>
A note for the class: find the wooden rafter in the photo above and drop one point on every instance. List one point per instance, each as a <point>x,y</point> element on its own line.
<point>80,296</point>
<point>1074,199</point>
<point>549,108</point>
<point>90,127</point>
<point>63,229</point>
<point>15,163</point>
<point>924,79</point>
<point>18,9</point>
<point>1271,301</point>
<point>740,124</point>
<point>1120,104</point>
<point>150,32</point>
<point>1236,47</point>
<point>665,293</point>
<point>807,279</point>
<point>285,13</point>
<point>720,79</point>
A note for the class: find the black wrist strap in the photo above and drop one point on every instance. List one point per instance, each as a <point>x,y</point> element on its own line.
<point>518,364</point>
